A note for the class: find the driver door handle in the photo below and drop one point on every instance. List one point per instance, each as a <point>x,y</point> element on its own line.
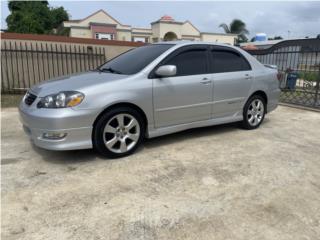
<point>205,81</point>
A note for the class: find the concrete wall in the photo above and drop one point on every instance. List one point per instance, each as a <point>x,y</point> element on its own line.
<point>155,32</point>
<point>169,27</point>
<point>142,30</point>
<point>80,33</point>
<point>142,33</point>
<point>223,38</point>
<point>124,36</point>
<point>189,29</point>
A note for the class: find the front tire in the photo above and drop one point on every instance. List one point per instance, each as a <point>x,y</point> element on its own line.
<point>118,132</point>
<point>254,112</point>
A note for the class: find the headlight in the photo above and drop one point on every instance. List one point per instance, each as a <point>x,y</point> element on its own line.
<point>61,100</point>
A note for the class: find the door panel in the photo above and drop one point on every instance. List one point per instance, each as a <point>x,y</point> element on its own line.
<point>182,99</point>
<point>232,79</point>
<point>187,96</point>
<point>229,92</point>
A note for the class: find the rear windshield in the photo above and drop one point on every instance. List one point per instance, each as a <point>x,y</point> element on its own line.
<point>135,60</point>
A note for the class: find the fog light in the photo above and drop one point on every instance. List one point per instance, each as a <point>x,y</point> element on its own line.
<point>54,135</point>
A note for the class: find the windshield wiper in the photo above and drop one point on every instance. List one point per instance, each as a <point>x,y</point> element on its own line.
<point>109,69</point>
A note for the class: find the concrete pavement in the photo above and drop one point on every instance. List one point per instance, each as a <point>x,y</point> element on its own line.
<point>218,182</point>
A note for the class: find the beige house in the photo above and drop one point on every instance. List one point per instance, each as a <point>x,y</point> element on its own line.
<point>100,25</point>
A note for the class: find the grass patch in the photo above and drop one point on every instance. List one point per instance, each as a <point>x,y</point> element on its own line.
<point>10,100</point>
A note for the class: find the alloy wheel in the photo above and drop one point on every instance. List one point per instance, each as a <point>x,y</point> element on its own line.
<point>255,112</point>
<point>121,133</point>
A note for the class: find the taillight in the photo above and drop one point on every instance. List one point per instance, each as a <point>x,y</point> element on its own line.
<point>279,75</point>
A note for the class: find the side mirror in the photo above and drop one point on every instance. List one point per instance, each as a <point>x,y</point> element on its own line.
<point>166,71</point>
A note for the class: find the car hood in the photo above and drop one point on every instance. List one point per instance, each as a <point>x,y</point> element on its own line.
<point>75,82</point>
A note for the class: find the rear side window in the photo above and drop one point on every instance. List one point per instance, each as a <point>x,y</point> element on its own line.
<point>190,62</point>
<point>228,61</point>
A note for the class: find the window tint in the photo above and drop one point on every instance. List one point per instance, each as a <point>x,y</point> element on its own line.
<point>135,60</point>
<point>228,61</point>
<point>190,62</point>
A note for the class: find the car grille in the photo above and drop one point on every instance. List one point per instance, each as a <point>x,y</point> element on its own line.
<point>30,98</point>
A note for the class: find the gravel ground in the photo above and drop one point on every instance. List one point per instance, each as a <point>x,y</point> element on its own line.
<point>219,182</point>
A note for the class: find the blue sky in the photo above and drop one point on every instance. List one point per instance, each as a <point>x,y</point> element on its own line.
<point>274,18</point>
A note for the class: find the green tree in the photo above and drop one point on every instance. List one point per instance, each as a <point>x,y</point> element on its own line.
<point>236,27</point>
<point>35,17</point>
<point>58,15</point>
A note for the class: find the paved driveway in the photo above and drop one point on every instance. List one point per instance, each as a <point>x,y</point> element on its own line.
<point>211,183</point>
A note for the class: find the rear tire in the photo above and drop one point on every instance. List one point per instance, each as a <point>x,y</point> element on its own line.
<point>254,112</point>
<point>118,132</point>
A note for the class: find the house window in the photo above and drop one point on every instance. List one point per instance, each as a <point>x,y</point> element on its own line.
<point>139,39</point>
<point>105,36</point>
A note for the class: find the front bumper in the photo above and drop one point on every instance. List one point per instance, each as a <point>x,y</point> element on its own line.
<point>76,125</point>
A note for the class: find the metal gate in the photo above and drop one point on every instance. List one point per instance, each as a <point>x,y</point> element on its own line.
<point>298,62</point>
<point>26,64</point>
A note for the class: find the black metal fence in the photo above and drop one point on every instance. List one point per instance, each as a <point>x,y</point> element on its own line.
<point>298,62</point>
<point>25,64</point>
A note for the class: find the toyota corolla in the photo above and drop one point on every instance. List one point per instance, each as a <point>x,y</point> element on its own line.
<point>147,92</point>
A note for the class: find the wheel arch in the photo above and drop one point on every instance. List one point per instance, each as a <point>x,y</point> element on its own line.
<point>262,94</point>
<point>123,104</point>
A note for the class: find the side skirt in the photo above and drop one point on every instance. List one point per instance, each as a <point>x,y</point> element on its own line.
<point>177,128</point>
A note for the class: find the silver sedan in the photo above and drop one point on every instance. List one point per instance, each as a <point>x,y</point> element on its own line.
<point>147,92</point>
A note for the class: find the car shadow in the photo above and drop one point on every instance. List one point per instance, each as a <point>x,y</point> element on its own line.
<point>190,134</point>
<point>66,157</point>
<point>87,155</point>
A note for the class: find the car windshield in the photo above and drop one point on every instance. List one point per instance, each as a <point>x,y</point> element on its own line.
<point>135,60</point>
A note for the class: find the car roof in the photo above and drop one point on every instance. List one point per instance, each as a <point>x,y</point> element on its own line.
<point>186,42</point>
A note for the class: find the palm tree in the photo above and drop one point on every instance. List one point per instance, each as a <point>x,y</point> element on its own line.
<point>236,27</point>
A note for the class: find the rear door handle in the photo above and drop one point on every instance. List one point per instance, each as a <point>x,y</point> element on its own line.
<point>205,81</point>
<point>248,77</point>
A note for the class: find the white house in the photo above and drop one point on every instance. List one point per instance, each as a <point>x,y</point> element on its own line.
<point>100,25</point>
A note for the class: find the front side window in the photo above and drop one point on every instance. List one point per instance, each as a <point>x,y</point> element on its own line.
<point>228,61</point>
<point>135,60</point>
<point>190,62</point>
